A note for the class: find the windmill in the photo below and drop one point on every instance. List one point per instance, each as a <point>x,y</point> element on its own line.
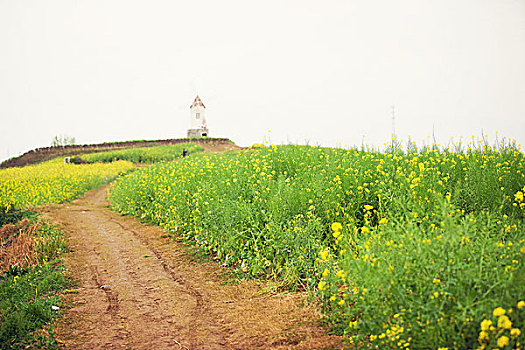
<point>198,125</point>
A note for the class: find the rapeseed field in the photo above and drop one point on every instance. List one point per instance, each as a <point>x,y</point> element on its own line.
<point>152,154</point>
<point>53,182</point>
<point>414,249</point>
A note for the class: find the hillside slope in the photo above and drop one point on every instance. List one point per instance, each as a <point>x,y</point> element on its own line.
<point>46,153</point>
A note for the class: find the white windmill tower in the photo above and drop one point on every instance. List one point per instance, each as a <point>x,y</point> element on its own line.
<point>198,127</point>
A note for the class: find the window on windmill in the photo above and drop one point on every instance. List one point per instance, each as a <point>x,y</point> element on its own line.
<point>198,115</point>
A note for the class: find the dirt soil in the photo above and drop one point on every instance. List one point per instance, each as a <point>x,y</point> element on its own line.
<point>139,289</point>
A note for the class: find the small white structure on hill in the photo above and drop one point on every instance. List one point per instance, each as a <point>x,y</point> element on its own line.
<point>198,127</point>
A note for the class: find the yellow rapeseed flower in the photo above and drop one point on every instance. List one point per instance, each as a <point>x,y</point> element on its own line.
<point>499,311</point>
<point>485,325</point>
<point>321,285</point>
<point>336,227</point>
<point>504,322</point>
<point>515,332</point>
<point>503,341</point>
<point>521,304</point>
<point>336,234</point>
<point>324,254</point>
<point>483,336</point>
<point>368,207</point>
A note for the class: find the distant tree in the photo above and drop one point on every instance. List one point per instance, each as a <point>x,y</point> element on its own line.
<point>63,140</point>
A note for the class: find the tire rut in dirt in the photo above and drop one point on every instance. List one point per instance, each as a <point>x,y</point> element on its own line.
<point>112,297</point>
<point>203,317</point>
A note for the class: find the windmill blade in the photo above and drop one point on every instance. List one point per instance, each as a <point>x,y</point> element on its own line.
<point>193,87</point>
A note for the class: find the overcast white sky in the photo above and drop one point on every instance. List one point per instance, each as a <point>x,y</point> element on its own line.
<point>325,71</point>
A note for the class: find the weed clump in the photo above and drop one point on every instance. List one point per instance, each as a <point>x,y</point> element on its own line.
<point>31,278</point>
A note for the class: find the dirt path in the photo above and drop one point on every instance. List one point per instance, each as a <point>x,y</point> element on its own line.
<point>138,290</point>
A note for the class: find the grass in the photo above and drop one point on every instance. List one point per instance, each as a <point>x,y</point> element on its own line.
<point>12,216</point>
<point>406,249</point>
<point>31,279</point>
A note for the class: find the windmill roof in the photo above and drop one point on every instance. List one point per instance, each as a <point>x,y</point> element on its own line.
<point>197,102</point>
